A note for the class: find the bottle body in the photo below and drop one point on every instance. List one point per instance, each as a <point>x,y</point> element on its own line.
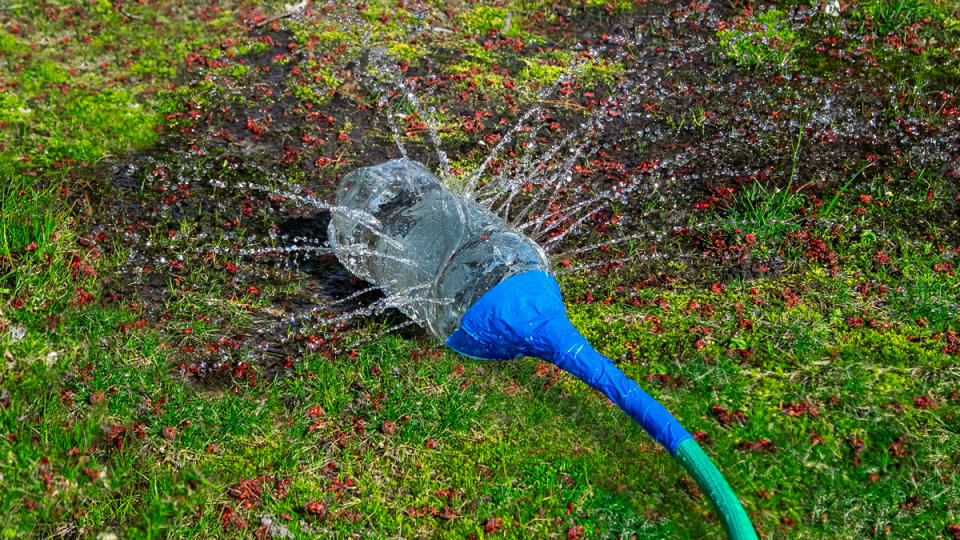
<point>399,227</point>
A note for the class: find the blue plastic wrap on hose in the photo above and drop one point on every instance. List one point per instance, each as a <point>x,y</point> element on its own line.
<point>524,316</point>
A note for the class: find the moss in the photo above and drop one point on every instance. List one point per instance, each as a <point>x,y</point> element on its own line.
<point>541,73</point>
<point>83,129</point>
<point>243,49</point>
<point>226,18</point>
<point>548,67</point>
<point>323,77</point>
<point>404,51</point>
<point>238,71</point>
<point>892,348</point>
<point>307,94</point>
<point>619,5</point>
<point>13,109</point>
<point>333,37</point>
<point>604,71</point>
<point>153,67</point>
<point>116,113</point>
<point>9,44</point>
<point>42,75</point>
<point>77,100</point>
<point>483,18</point>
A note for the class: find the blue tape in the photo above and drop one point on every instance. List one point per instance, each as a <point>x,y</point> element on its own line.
<point>524,316</point>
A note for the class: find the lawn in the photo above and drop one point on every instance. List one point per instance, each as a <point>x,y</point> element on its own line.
<point>752,209</point>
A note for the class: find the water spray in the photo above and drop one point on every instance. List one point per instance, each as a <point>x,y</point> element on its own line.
<point>487,290</point>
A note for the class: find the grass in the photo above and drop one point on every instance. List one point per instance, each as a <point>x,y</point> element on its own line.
<point>893,16</point>
<point>765,39</point>
<point>89,96</point>
<point>841,363</point>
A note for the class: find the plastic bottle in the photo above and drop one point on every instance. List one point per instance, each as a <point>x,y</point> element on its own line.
<point>441,251</point>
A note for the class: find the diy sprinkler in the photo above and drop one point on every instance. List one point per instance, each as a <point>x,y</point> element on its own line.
<point>469,278</point>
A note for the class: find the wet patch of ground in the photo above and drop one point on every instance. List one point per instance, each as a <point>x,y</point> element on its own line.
<point>712,170</point>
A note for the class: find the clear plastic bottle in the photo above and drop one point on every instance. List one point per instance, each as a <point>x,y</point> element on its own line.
<point>437,251</point>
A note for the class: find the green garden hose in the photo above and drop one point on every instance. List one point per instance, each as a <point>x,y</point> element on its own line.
<point>716,489</point>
